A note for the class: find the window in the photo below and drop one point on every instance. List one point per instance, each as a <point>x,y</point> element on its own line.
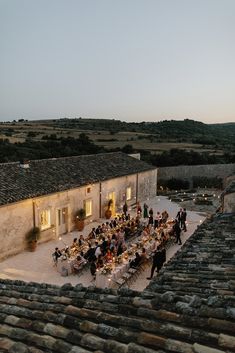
<point>128,193</point>
<point>88,207</point>
<point>62,216</point>
<point>88,190</point>
<point>45,219</point>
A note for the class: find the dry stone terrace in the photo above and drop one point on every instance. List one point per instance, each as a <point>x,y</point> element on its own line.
<point>189,308</point>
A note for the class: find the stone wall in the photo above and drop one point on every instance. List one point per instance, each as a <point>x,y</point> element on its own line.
<point>143,186</point>
<point>15,220</point>
<point>229,203</point>
<point>187,172</point>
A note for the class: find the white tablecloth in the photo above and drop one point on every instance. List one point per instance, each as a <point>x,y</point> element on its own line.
<point>63,265</point>
<point>107,280</point>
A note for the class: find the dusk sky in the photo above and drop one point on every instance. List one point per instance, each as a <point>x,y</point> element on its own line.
<point>132,60</point>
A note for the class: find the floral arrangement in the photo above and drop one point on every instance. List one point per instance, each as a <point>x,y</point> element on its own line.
<point>107,269</point>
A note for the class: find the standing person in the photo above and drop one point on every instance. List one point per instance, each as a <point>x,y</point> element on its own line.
<point>183,219</point>
<point>145,210</point>
<point>150,223</point>
<point>177,232</point>
<point>93,269</point>
<point>179,217</point>
<point>157,262</point>
<point>151,212</point>
<point>163,254</point>
<point>158,220</point>
<point>138,209</point>
<point>165,216</point>
<point>125,209</point>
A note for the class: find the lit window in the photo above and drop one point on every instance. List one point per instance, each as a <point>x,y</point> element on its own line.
<point>45,219</point>
<point>128,193</point>
<point>88,207</point>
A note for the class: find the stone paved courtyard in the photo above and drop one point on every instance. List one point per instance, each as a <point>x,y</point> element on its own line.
<point>38,266</point>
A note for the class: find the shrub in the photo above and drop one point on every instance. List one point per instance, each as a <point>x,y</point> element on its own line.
<point>80,214</point>
<point>33,235</point>
<point>207,182</point>
<point>174,184</point>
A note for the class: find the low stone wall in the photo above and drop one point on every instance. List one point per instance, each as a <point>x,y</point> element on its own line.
<point>187,172</point>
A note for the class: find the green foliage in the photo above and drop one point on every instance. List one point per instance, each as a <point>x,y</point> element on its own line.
<point>174,184</point>
<point>127,149</point>
<point>80,214</point>
<point>51,148</point>
<point>218,136</point>
<point>32,134</point>
<point>33,235</point>
<point>177,156</point>
<point>203,201</point>
<point>208,182</point>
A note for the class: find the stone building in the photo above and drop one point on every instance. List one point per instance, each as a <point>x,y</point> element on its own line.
<point>47,193</point>
<point>228,196</point>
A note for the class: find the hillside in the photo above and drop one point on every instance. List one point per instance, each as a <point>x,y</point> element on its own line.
<point>160,143</point>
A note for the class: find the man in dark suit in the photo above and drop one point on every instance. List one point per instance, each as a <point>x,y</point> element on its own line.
<point>177,232</point>
<point>179,217</point>
<point>157,262</point>
<point>183,220</point>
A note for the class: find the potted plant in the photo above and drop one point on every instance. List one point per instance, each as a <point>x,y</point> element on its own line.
<point>108,212</point>
<point>31,237</point>
<point>80,216</point>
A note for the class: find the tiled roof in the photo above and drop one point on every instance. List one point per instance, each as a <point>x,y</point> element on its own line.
<point>59,174</point>
<point>189,308</point>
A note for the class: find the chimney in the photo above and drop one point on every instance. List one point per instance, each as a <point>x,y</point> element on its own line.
<point>24,164</point>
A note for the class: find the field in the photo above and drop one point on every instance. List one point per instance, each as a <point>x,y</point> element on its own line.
<point>36,131</point>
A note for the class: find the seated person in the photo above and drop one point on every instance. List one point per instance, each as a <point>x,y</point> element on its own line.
<point>98,230</point>
<point>136,261</point>
<point>143,256</point>
<point>74,243</point>
<point>57,254</point>
<point>145,234</point>
<point>67,251</point>
<point>92,234</point>
<point>109,256</point>
<point>81,240</point>
<point>77,263</point>
<point>100,262</point>
<point>103,228</point>
<point>107,226</point>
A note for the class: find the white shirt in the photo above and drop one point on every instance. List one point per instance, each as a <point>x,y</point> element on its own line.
<point>97,252</point>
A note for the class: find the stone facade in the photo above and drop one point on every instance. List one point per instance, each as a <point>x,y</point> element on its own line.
<point>228,196</point>
<point>187,172</point>
<point>54,212</point>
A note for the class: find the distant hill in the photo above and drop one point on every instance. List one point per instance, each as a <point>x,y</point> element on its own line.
<point>164,143</point>
<point>188,130</point>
